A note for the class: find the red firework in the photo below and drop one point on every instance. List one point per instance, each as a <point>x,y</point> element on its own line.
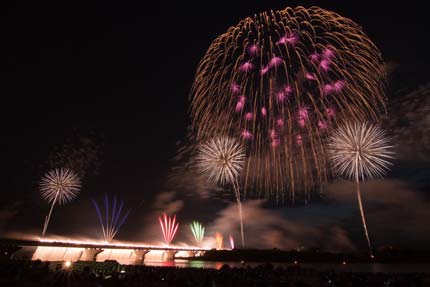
<point>169,226</point>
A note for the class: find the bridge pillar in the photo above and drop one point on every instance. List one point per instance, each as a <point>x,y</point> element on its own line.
<point>169,255</point>
<point>201,253</point>
<point>90,254</point>
<point>139,256</point>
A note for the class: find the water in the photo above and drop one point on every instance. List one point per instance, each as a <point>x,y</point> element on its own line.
<point>353,267</point>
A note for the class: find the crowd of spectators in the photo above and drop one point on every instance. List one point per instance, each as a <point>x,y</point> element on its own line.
<point>36,273</point>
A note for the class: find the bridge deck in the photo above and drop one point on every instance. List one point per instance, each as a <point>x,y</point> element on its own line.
<point>22,242</point>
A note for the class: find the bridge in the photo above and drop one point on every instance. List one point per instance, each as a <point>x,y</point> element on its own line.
<point>125,253</point>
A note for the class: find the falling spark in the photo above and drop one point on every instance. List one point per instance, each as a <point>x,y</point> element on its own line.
<point>169,227</point>
<point>60,185</point>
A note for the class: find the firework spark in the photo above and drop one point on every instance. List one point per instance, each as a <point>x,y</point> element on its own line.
<point>328,65</point>
<point>231,239</point>
<point>221,161</point>
<point>219,240</point>
<point>60,185</point>
<point>111,224</point>
<point>169,227</point>
<point>358,151</point>
<point>198,231</point>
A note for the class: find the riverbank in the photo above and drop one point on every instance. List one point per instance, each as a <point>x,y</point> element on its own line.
<point>313,256</point>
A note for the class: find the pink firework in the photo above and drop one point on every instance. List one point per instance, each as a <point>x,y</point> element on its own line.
<point>275,61</point>
<point>310,76</point>
<point>263,112</point>
<point>325,65</point>
<point>231,241</point>
<point>303,113</point>
<point>239,106</point>
<point>275,142</point>
<point>328,53</point>
<point>292,39</point>
<point>302,116</point>
<point>322,125</point>
<point>301,122</point>
<point>235,88</point>
<point>288,39</point>
<point>288,90</point>
<point>246,67</point>
<point>247,135</point>
<point>328,89</point>
<point>280,122</point>
<point>169,226</point>
<point>249,116</point>
<point>314,57</point>
<point>299,139</point>
<point>253,50</point>
<point>281,97</point>
<point>331,112</point>
<point>264,70</point>
<point>273,134</point>
<point>338,86</point>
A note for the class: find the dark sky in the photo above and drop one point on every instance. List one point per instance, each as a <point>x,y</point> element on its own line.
<point>123,70</point>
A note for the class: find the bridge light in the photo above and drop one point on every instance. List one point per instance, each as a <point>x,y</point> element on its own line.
<point>67,264</point>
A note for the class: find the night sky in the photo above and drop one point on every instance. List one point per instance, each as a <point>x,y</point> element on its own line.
<point>118,74</point>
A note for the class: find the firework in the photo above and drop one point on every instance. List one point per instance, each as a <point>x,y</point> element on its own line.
<point>219,240</point>
<point>297,72</point>
<point>221,161</point>
<point>358,151</point>
<point>198,231</point>
<point>112,219</point>
<point>231,239</point>
<point>169,227</point>
<point>58,186</point>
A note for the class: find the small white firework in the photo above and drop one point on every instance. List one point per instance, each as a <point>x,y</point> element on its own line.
<point>360,150</point>
<point>221,160</point>
<point>60,185</point>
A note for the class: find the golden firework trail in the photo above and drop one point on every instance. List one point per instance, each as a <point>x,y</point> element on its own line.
<point>278,82</point>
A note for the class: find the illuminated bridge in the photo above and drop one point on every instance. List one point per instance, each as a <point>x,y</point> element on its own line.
<point>124,253</point>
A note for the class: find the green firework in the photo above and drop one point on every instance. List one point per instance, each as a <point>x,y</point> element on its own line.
<point>198,231</point>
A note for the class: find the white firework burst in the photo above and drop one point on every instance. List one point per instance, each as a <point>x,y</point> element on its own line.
<point>357,151</point>
<point>360,150</point>
<point>221,160</point>
<point>61,185</point>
